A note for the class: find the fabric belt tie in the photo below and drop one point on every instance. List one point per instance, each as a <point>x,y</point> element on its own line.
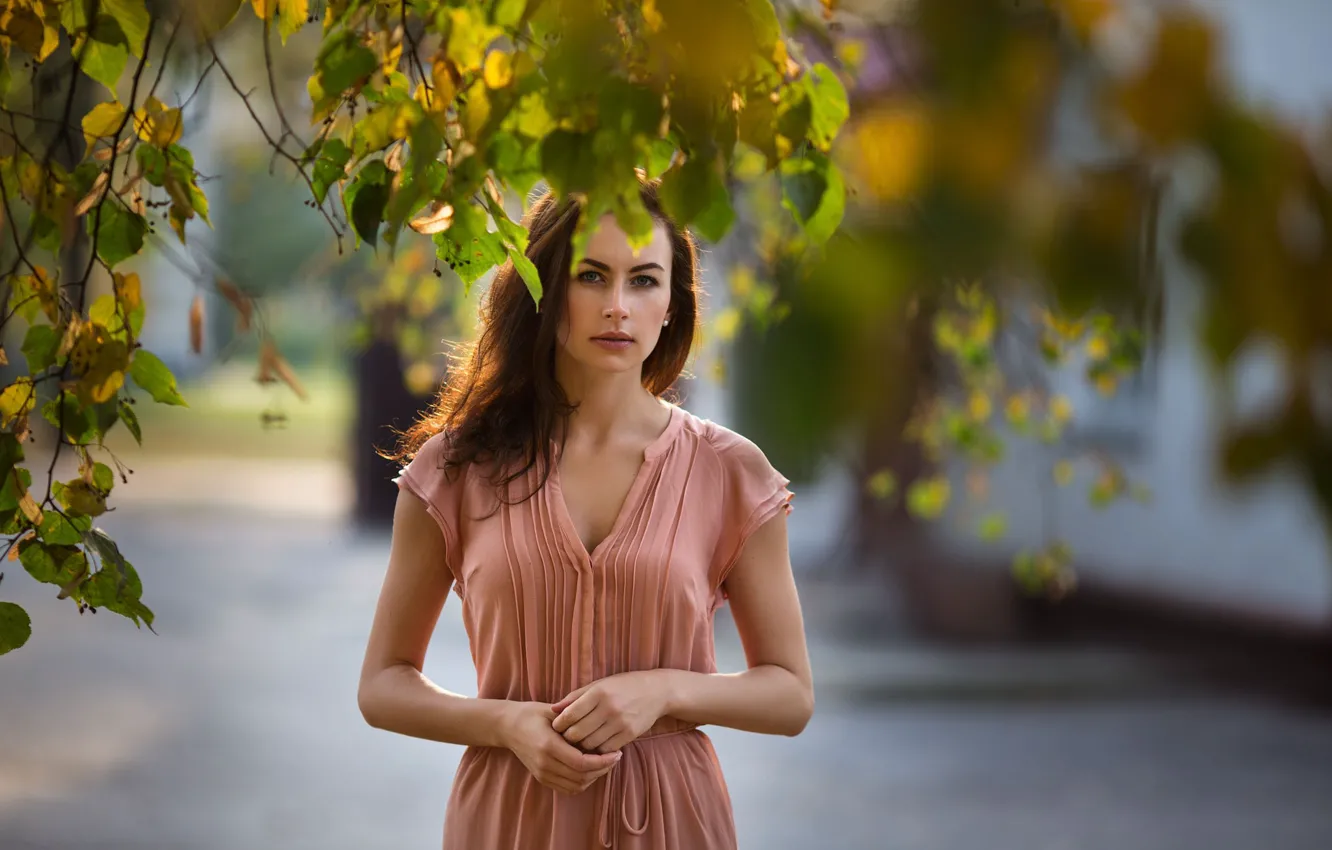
<point>632,776</point>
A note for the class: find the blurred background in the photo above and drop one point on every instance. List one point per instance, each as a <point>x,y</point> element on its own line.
<point>1096,640</point>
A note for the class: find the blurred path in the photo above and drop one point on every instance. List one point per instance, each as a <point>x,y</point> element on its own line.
<point>237,726</point>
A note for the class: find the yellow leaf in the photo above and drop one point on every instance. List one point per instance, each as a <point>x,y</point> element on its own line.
<point>499,69</point>
<point>882,484</point>
<point>979,406</point>
<point>292,15</point>
<point>420,378</point>
<point>102,122</point>
<point>651,16</point>
<point>1098,348</point>
<point>265,8</point>
<point>927,498</point>
<point>1063,473</point>
<point>4,358</point>
<point>993,526</point>
<point>1107,384</point>
<point>889,149</point>
<point>727,324</point>
<point>1061,409</point>
<point>16,400</point>
<point>160,127</point>
<point>1018,409</point>
<point>127,290</point>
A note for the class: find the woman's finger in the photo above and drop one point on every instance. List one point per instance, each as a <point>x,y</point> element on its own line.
<point>576,733</point>
<point>594,740</point>
<point>574,711</point>
<point>618,742</point>
<point>568,700</point>
<point>577,760</point>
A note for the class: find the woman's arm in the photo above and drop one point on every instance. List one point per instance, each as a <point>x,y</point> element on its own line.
<point>393,693</point>
<point>774,696</point>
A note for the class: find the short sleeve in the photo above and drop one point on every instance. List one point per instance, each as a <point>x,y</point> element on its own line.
<point>753,492</point>
<point>425,478</point>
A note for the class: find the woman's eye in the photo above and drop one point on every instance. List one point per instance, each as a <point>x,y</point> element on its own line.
<point>589,276</point>
<point>646,280</point>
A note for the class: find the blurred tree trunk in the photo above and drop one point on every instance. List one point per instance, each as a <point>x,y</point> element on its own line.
<point>384,406</point>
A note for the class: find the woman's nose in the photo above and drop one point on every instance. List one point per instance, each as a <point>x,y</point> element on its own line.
<point>615,308</point>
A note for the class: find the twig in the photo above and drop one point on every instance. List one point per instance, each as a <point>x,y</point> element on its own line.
<point>277,148</point>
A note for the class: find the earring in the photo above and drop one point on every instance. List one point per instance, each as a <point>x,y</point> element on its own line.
<point>665,323</point>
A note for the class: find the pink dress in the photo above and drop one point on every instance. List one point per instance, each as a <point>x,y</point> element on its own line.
<point>545,617</point>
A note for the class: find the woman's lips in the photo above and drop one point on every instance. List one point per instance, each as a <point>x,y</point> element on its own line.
<point>613,344</point>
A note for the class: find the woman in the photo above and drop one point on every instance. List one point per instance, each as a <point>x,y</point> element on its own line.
<point>591,530</point>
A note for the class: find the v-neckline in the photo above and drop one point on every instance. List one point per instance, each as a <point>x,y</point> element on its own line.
<point>650,454</point>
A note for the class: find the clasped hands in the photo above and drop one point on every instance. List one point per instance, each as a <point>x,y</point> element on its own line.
<point>569,745</point>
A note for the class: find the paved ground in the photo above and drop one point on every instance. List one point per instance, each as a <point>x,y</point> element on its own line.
<point>236,726</point>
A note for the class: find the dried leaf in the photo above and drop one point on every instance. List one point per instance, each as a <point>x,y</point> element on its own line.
<point>393,161</point>
<point>94,194</point>
<point>243,304</point>
<point>196,324</point>
<point>273,367</point>
<point>437,218</point>
<point>29,507</point>
<point>4,358</point>
<point>102,154</point>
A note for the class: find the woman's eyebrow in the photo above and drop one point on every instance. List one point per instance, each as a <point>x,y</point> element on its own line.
<point>639,268</point>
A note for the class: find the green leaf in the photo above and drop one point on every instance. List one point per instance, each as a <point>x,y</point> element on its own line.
<point>131,419</point>
<point>11,453</point>
<point>149,372</point>
<point>803,187</point>
<point>695,194</point>
<point>993,526</point>
<point>39,347</point>
<point>927,498</point>
<point>470,258</point>
<point>15,627</point>
<point>343,62</point>
<point>58,529</point>
<point>103,477</point>
<point>829,108</point>
<point>507,13</point>
<point>815,194</point>
<point>330,168</point>
<point>568,161</point>
<point>120,233</point>
<point>527,270</point>
<point>104,52</point>
<point>116,586</point>
<point>82,425</point>
<point>367,196</point>
<point>132,18</point>
<point>153,162</point>
<point>52,563</point>
<point>16,483</point>
<point>832,206</point>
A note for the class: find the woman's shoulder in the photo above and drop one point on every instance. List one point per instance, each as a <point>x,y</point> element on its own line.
<point>727,446</point>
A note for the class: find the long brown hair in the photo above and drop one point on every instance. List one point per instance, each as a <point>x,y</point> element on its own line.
<point>500,402</point>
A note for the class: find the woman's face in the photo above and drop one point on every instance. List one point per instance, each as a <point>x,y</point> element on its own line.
<point>614,292</point>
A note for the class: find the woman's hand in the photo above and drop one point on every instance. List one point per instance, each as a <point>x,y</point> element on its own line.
<point>608,714</point>
<point>552,760</point>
